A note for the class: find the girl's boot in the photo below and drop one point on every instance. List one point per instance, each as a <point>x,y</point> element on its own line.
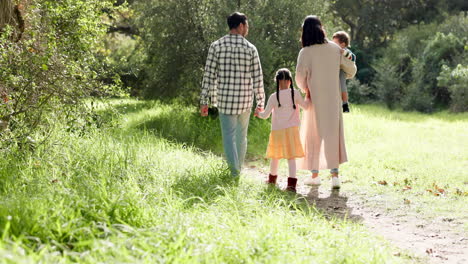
<point>272,179</point>
<point>291,184</point>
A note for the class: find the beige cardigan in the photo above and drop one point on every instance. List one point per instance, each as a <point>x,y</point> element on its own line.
<point>322,132</point>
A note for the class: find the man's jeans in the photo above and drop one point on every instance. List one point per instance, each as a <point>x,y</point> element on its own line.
<point>234,129</point>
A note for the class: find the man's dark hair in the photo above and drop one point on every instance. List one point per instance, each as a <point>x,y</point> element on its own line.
<point>235,19</point>
<point>312,32</point>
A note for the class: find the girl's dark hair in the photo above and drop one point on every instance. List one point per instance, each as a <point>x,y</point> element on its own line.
<point>312,32</point>
<point>284,74</point>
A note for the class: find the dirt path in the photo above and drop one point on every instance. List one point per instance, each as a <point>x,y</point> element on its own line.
<point>431,241</point>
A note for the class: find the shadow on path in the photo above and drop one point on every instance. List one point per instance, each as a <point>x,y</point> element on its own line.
<point>333,205</point>
<point>330,203</point>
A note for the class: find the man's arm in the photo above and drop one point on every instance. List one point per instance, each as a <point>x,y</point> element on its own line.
<point>209,82</point>
<point>257,80</point>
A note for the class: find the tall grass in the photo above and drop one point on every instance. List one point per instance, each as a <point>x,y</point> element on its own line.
<point>152,190</point>
<point>422,158</point>
<point>417,155</point>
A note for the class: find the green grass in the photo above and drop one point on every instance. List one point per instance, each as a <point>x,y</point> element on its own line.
<point>154,189</point>
<point>410,149</point>
<point>416,154</point>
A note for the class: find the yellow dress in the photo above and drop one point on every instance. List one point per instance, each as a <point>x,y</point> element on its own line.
<point>285,144</point>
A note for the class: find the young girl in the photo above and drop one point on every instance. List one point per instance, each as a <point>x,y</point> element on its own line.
<point>284,141</point>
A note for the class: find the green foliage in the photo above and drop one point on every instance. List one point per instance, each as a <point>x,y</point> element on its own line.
<point>360,92</point>
<point>388,83</point>
<point>45,75</point>
<point>175,53</point>
<point>406,74</point>
<point>373,24</point>
<point>455,81</point>
<point>424,94</point>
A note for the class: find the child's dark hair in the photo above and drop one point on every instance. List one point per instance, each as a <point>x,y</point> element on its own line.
<point>284,74</point>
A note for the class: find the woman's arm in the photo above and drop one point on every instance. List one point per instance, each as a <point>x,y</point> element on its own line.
<point>348,66</point>
<point>302,72</point>
<point>301,101</point>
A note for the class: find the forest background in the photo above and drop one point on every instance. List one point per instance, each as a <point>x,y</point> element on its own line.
<point>412,55</point>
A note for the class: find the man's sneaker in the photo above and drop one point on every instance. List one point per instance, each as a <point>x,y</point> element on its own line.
<point>336,183</point>
<point>312,181</point>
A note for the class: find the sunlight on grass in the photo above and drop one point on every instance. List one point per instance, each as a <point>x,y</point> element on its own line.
<point>144,191</point>
<point>414,153</point>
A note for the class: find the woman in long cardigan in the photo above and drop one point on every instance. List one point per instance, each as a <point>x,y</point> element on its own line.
<point>322,134</point>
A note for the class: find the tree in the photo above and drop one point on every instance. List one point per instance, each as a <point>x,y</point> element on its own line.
<point>409,68</point>
<point>10,14</point>
<point>50,66</point>
<point>176,36</point>
<point>373,23</point>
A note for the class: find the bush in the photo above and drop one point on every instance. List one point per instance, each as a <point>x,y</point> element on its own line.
<point>45,75</point>
<point>406,74</point>
<point>388,83</point>
<point>455,81</point>
<point>442,49</point>
<point>360,93</point>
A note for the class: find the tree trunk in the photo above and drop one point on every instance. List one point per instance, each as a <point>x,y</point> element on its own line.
<point>10,14</point>
<point>6,12</point>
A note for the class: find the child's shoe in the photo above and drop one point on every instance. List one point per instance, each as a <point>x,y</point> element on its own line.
<point>272,179</point>
<point>345,108</point>
<point>312,181</point>
<point>336,183</point>
<point>292,182</point>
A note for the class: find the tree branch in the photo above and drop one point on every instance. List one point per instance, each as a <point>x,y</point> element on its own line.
<point>20,21</point>
<point>127,30</point>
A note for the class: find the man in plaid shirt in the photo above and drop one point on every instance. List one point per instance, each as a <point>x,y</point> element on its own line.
<point>233,75</point>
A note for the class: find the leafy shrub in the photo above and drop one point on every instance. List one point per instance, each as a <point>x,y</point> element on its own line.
<point>406,74</point>
<point>360,92</point>
<point>442,49</point>
<point>455,81</point>
<point>388,84</point>
<point>45,75</point>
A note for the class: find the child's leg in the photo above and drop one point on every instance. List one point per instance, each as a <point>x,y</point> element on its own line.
<point>292,180</point>
<point>345,105</point>
<point>292,168</point>
<point>344,97</point>
<point>274,166</point>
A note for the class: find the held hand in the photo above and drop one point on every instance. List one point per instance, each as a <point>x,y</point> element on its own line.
<point>258,110</point>
<point>204,110</point>
<point>308,94</point>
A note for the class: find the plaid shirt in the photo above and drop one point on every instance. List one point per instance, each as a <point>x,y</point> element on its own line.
<point>233,74</point>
